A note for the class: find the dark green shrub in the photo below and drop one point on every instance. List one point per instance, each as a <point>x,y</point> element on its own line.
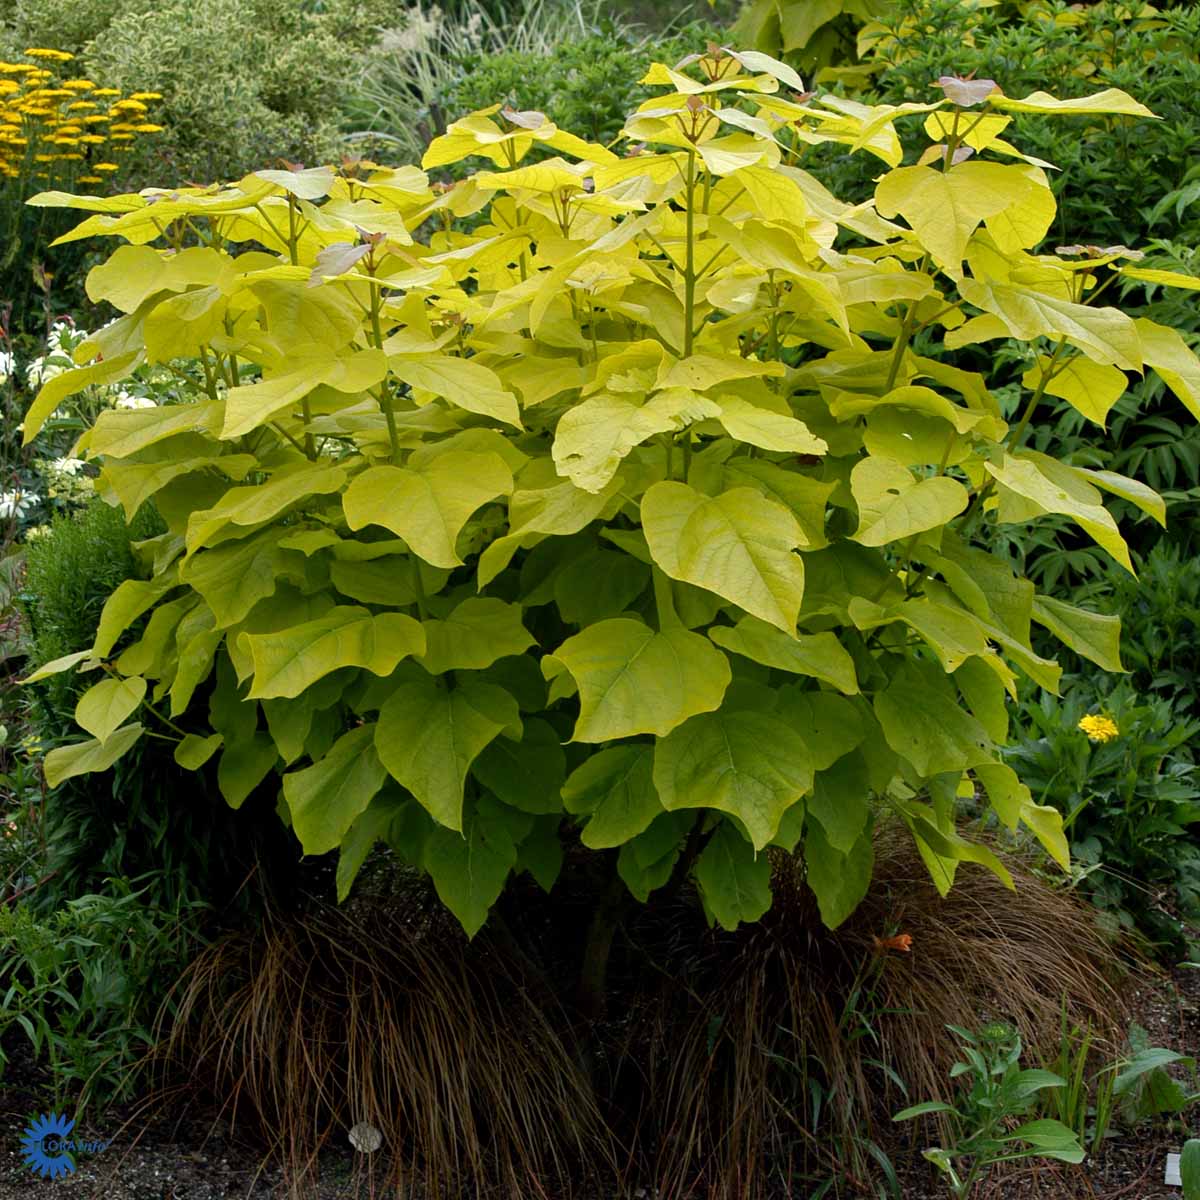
<point>135,818</point>
<point>84,984</point>
<point>1129,796</point>
<point>587,84</point>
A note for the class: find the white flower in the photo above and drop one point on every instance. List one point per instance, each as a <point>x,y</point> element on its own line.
<point>66,466</point>
<point>42,370</point>
<point>126,399</point>
<point>16,504</point>
<point>8,365</point>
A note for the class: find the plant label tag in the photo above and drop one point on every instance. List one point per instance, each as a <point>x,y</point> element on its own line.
<point>1173,1178</point>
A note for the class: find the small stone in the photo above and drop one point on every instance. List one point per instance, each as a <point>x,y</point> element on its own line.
<point>365,1138</point>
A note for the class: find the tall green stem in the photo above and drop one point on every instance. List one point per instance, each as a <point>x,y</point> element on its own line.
<point>689,269</point>
<point>385,400</point>
<point>1014,438</point>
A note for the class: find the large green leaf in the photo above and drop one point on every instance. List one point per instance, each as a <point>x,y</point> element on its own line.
<point>770,430</point>
<point>592,438</point>
<point>67,383</point>
<point>893,505</point>
<point>131,598</point>
<point>820,655</point>
<point>65,762</point>
<point>1095,636</point>
<point>838,880</point>
<point>923,721</point>
<point>260,502</point>
<point>1173,359</point>
<point>474,635</point>
<point>738,544</point>
<point>428,506</point>
<point>469,869</point>
<point>427,737</point>
<point>734,878</point>
<point>465,383</point>
<point>648,861</point>
<point>235,576</point>
<point>244,765</point>
<point>1091,388</point>
<point>616,787</point>
<point>805,497</point>
<point>1105,335</point>
<point>527,775</point>
<point>751,765</point>
<point>292,659</point>
<point>831,725</point>
<point>633,680</point>
<point>560,509</point>
<point>841,801</point>
<point>326,798</point>
<point>1051,488</point>
<point>953,633</point>
<point>1111,101</point>
<point>105,705</point>
<point>945,208</point>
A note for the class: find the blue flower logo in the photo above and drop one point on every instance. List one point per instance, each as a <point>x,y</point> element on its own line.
<point>43,1146</point>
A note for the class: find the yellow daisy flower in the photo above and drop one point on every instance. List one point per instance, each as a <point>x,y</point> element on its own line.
<point>1099,728</point>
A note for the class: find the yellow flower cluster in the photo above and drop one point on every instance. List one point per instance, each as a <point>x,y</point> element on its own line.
<point>1099,729</point>
<point>52,128</point>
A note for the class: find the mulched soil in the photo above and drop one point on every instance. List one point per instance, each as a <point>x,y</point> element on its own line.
<point>193,1154</point>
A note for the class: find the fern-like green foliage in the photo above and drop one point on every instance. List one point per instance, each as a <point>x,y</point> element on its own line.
<point>628,497</point>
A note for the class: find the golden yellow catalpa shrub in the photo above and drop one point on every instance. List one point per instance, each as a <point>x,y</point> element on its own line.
<point>628,496</point>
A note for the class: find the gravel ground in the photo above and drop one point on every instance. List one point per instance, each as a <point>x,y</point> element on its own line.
<point>191,1155</point>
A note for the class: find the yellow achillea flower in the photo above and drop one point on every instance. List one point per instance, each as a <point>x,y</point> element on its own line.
<point>105,167</point>
<point>146,96</point>
<point>1099,729</point>
<point>56,55</point>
